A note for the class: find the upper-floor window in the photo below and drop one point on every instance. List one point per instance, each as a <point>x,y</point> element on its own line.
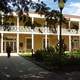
<point>65,24</point>
<point>39,22</point>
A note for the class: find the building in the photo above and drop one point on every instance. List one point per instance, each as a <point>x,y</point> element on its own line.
<point>23,38</point>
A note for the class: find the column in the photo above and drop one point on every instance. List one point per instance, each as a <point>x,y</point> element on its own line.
<point>58,31</point>
<point>17,34</point>
<point>69,43</point>
<point>46,35</point>
<point>1,42</point>
<point>2,34</point>
<point>69,36</point>
<point>46,41</point>
<point>32,37</point>
<point>79,33</point>
<point>69,24</point>
<point>17,43</point>
<point>32,43</point>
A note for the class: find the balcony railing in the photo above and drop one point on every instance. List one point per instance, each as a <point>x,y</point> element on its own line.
<point>38,30</point>
<point>70,31</point>
<point>8,28</point>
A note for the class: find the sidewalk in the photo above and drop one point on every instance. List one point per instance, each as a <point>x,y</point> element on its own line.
<point>17,68</point>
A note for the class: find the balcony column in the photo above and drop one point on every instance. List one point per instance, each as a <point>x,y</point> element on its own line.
<point>1,42</point>
<point>17,34</point>
<point>79,33</point>
<point>32,37</point>
<point>69,43</point>
<point>69,24</point>
<point>2,34</point>
<point>69,36</point>
<point>58,31</point>
<point>79,24</point>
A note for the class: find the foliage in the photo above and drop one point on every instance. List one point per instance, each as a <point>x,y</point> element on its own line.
<point>59,1</point>
<point>51,58</point>
<point>63,47</point>
<point>24,6</point>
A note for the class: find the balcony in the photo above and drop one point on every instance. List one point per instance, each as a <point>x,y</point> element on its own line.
<point>70,31</point>
<point>37,29</point>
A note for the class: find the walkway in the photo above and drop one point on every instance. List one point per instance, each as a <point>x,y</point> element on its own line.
<point>17,68</point>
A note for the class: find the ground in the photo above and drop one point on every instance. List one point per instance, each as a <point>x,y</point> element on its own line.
<point>17,68</point>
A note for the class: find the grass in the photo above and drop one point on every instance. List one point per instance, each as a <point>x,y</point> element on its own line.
<point>26,55</point>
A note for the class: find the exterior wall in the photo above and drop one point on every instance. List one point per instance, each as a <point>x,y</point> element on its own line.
<point>66,42</point>
<point>53,40</point>
<point>22,39</point>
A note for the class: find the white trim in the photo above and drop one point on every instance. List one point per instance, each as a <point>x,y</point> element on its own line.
<point>1,42</point>
<point>74,19</point>
<point>33,41</point>
<point>48,39</point>
<point>58,31</point>
<point>17,43</point>
<point>79,24</point>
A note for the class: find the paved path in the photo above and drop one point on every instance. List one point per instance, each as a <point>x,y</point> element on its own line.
<point>17,68</point>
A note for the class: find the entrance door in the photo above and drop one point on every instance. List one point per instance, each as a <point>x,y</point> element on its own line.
<point>11,43</point>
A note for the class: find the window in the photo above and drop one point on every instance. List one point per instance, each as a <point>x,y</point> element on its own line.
<point>29,43</point>
<point>74,25</point>
<point>75,42</point>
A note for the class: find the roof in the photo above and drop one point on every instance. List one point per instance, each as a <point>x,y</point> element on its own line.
<point>71,16</point>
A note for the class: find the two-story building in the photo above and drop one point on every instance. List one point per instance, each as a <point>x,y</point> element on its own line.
<point>22,38</point>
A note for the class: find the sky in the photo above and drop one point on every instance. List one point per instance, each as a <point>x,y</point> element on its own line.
<point>71,7</point>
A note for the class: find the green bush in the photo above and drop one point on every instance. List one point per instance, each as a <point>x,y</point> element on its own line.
<point>50,57</point>
<point>38,55</point>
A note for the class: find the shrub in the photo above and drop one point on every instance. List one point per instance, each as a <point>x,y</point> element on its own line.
<point>50,57</point>
<point>38,55</point>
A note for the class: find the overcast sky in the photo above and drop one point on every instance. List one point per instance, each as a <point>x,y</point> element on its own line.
<point>71,6</point>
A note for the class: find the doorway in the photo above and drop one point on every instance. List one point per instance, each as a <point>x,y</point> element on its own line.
<point>12,43</point>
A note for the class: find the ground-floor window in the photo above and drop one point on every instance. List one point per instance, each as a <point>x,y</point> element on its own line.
<point>75,42</point>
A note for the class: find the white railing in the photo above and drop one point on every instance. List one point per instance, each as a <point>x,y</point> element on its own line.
<point>70,31</point>
<point>37,29</point>
<point>8,28</point>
